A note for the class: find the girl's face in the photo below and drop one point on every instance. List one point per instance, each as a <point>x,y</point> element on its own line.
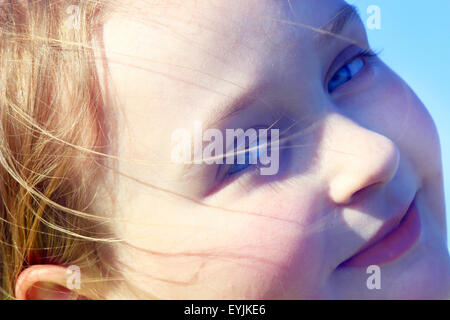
<point>357,149</point>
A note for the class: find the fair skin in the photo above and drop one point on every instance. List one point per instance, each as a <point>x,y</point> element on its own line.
<point>360,155</point>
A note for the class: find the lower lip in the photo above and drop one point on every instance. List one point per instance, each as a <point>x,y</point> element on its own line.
<point>394,245</point>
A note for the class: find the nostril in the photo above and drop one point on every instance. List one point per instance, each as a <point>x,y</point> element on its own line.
<point>342,190</point>
<point>360,193</point>
<point>339,190</point>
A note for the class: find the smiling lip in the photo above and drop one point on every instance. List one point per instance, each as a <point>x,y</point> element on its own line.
<point>393,245</point>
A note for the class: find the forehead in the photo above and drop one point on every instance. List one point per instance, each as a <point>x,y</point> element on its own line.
<point>221,30</point>
<point>207,52</point>
<point>240,20</point>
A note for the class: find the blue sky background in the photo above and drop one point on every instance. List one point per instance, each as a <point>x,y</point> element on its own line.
<point>415,42</point>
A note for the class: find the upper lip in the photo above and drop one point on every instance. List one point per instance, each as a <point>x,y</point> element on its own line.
<point>386,228</point>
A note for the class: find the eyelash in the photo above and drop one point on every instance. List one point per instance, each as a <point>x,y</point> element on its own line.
<point>242,167</point>
<point>232,170</point>
<point>365,54</point>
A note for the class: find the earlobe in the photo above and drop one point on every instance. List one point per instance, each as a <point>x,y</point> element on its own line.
<point>44,282</point>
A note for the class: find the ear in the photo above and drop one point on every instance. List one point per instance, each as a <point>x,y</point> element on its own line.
<point>45,282</point>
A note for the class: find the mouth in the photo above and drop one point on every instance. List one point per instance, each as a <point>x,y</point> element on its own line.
<point>391,246</point>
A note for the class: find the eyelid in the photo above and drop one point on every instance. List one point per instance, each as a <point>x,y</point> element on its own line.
<point>223,169</point>
<point>345,57</point>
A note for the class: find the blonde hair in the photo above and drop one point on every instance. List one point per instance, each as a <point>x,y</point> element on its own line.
<point>53,133</point>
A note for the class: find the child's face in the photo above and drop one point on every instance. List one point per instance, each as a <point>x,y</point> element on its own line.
<point>361,149</point>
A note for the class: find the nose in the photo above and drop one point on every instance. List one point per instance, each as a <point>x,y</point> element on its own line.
<point>356,158</point>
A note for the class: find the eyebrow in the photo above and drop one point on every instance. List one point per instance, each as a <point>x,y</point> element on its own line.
<point>336,25</point>
<point>236,105</point>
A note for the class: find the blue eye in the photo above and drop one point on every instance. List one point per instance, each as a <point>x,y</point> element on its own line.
<point>346,73</point>
<point>251,154</point>
<point>238,168</point>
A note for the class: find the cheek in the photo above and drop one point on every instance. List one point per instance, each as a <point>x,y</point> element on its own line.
<point>253,249</point>
<point>283,239</point>
<point>411,127</point>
